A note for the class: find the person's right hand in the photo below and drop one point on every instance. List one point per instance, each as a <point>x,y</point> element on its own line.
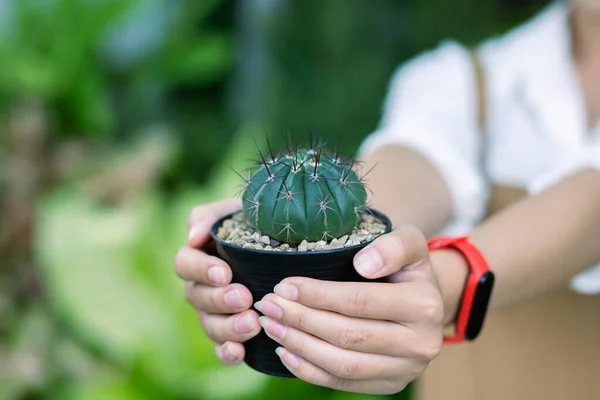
<point>223,307</point>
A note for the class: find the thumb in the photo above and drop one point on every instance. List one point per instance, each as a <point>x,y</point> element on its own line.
<point>389,253</point>
<point>204,216</point>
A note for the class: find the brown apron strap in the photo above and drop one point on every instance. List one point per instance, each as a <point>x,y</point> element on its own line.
<point>481,94</point>
<point>500,196</point>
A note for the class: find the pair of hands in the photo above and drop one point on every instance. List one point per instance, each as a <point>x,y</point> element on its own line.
<point>367,337</point>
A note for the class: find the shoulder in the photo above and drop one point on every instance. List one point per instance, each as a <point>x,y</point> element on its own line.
<point>525,49</point>
<point>537,32</point>
<point>447,60</point>
<point>523,44</point>
<point>431,78</point>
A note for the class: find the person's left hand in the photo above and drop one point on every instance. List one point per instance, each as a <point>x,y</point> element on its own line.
<point>368,337</point>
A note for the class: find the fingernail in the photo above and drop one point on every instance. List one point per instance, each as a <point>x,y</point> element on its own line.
<point>287,358</point>
<point>287,291</point>
<point>269,309</point>
<point>216,275</point>
<point>233,299</point>
<point>244,324</point>
<point>196,229</point>
<point>368,261</point>
<point>273,329</point>
<point>231,356</point>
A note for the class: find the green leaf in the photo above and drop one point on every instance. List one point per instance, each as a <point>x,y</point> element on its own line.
<point>109,276</point>
<point>202,61</point>
<point>88,107</point>
<point>32,74</point>
<point>83,257</point>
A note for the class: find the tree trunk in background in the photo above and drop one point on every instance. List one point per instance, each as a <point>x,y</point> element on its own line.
<point>23,174</point>
<point>253,63</point>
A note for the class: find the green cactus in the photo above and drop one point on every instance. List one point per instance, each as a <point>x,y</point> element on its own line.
<point>304,194</point>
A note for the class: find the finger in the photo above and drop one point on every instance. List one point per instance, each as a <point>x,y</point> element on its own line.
<point>230,353</point>
<point>389,253</point>
<point>366,336</point>
<point>412,301</point>
<point>230,328</point>
<point>229,299</point>
<point>342,363</point>
<point>204,216</point>
<point>195,265</point>
<point>357,334</point>
<point>311,373</point>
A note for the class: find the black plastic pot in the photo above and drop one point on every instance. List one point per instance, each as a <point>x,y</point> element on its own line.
<point>261,270</point>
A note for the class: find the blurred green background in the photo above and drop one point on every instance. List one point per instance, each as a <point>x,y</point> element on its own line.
<point>117,116</point>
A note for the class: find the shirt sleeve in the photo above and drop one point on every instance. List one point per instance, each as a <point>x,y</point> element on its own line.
<point>430,108</point>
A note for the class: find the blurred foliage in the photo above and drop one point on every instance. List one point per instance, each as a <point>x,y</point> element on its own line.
<point>56,51</point>
<point>107,68</point>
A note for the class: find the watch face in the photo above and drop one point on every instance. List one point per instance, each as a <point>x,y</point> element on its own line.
<point>481,299</point>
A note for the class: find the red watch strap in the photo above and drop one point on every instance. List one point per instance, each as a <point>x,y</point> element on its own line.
<point>478,267</point>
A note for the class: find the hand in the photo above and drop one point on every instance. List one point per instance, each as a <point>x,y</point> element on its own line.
<point>362,337</point>
<point>224,308</point>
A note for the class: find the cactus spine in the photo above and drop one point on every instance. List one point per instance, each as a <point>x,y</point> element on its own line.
<point>304,194</point>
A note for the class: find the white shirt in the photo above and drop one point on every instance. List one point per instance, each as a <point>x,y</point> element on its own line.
<point>537,123</point>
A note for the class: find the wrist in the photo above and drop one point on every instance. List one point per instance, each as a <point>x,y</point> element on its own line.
<point>451,270</point>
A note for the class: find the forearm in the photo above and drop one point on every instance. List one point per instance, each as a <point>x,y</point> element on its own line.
<point>408,188</point>
<point>534,246</point>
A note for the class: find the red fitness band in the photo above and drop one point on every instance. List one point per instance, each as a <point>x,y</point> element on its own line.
<point>477,291</point>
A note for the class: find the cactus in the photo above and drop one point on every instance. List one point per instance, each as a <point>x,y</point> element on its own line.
<point>304,194</point>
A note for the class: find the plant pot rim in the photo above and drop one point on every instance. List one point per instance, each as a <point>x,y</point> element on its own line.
<point>215,227</point>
